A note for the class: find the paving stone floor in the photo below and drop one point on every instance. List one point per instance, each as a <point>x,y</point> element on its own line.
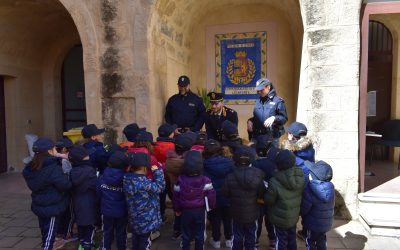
<point>19,226</point>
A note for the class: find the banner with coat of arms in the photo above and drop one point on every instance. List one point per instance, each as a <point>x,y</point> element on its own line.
<point>241,59</point>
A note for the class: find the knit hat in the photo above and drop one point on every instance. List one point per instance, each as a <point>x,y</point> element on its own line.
<point>64,143</point>
<point>166,130</point>
<point>211,144</point>
<point>183,142</point>
<point>244,156</point>
<point>91,130</point>
<point>118,160</point>
<point>297,129</point>
<point>139,159</point>
<point>193,163</point>
<point>145,136</point>
<point>285,159</point>
<point>320,170</point>
<point>191,135</point>
<point>77,153</point>
<point>131,131</point>
<point>230,129</point>
<point>42,145</point>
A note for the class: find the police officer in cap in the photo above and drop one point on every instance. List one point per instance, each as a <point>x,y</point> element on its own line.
<point>269,114</point>
<point>216,115</point>
<point>185,109</point>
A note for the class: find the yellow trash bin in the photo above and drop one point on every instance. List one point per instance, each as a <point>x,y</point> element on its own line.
<point>74,134</point>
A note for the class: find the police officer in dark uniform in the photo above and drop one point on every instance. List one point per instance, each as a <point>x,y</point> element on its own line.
<point>216,115</point>
<point>269,114</point>
<point>185,109</point>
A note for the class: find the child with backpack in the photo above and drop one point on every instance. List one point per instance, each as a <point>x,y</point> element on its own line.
<point>193,195</point>
<point>45,178</point>
<point>317,206</point>
<point>83,178</point>
<point>112,201</point>
<point>142,197</point>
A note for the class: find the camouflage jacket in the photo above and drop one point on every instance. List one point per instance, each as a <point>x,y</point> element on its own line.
<point>142,196</point>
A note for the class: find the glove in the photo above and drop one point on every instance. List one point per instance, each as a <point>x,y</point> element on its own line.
<point>269,121</point>
<point>266,184</point>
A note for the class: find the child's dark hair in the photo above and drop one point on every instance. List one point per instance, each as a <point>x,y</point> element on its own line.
<point>38,159</point>
<point>144,144</point>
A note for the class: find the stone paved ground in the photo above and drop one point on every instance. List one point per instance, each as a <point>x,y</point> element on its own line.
<point>19,227</point>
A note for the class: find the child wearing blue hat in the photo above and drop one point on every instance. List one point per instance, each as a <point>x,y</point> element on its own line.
<point>83,178</point>
<point>45,179</point>
<point>142,197</point>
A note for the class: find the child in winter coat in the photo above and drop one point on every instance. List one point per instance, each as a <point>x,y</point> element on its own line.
<point>45,179</point>
<point>67,219</point>
<point>243,187</point>
<point>83,178</point>
<point>173,166</point>
<point>112,201</point>
<point>130,132</point>
<point>193,192</point>
<point>142,197</point>
<point>200,141</point>
<point>283,198</point>
<point>317,206</point>
<point>92,142</point>
<point>217,167</point>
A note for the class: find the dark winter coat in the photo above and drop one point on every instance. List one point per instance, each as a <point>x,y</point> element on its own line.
<point>142,197</point>
<point>267,166</point>
<point>109,190</point>
<point>283,197</point>
<point>48,186</point>
<point>273,106</point>
<point>98,155</point>
<point>217,168</point>
<point>186,111</point>
<point>317,206</point>
<point>243,187</point>
<point>83,178</point>
<point>190,193</point>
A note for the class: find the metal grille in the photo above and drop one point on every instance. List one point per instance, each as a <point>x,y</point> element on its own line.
<point>380,38</point>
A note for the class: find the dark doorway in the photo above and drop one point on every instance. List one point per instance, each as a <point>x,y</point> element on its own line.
<point>73,89</point>
<point>3,139</point>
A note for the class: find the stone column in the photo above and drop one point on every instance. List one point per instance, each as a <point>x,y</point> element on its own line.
<point>329,90</point>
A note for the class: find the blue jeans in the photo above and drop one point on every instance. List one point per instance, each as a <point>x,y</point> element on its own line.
<point>244,235</point>
<point>193,227</point>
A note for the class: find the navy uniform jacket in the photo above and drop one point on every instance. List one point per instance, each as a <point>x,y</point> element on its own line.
<point>186,111</point>
<point>274,106</point>
<point>214,122</point>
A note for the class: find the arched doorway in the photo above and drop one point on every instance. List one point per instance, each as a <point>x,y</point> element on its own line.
<point>36,36</point>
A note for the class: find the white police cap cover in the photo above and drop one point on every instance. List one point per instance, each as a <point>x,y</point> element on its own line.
<point>261,83</point>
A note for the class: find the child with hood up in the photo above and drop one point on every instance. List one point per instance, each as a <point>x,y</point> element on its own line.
<point>190,194</point>
<point>317,206</point>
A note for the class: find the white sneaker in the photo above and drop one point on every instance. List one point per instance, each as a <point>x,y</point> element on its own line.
<point>215,244</point>
<point>229,243</point>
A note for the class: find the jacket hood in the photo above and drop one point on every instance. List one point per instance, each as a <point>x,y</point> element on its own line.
<point>113,176</point>
<point>246,177</point>
<point>323,190</point>
<point>173,154</point>
<point>218,166</point>
<point>301,144</point>
<point>35,179</point>
<point>292,178</point>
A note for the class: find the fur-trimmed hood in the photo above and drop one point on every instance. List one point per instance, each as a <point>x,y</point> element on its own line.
<point>301,144</point>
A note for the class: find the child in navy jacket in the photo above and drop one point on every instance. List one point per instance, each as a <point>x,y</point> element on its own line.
<point>190,194</point>
<point>83,178</point>
<point>112,201</point>
<point>317,206</point>
<point>45,178</point>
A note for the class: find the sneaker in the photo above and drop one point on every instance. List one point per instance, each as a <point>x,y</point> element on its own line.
<point>58,243</point>
<point>272,244</point>
<point>70,238</point>
<point>80,247</point>
<point>176,235</point>
<point>154,235</point>
<point>301,235</point>
<point>215,244</point>
<point>229,243</point>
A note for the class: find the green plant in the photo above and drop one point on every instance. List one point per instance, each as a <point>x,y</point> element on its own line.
<point>202,92</point>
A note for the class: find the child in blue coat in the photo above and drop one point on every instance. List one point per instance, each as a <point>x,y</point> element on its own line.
<point>143,199</point>
<point>44,176</point>
<point>112,201</point>
<point>317,206</point>
<point>83,178</point>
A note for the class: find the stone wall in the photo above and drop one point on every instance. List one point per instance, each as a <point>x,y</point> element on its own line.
<point>329,90</point>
